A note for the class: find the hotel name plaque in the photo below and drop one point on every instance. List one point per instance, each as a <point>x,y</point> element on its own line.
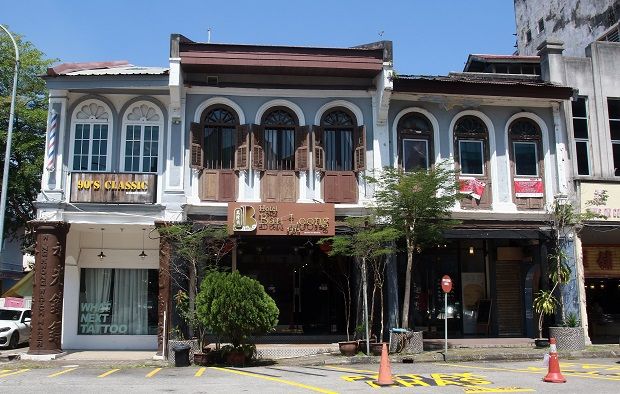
<point>281,219</point>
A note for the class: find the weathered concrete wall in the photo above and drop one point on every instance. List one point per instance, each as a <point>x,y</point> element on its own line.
<point>575,22</point>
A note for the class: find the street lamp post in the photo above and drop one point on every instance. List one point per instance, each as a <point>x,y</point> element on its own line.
<point>9,136</point>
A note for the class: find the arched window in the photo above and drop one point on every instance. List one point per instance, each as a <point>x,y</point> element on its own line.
<point>525,138</point>
<point>415,136</point>
<point>92,123</point>
<point>471,134</point>
<point>143,123</point>
<point>220,137</point>
<point>278,139</point>
<point>338,129</point>
<point>471,148</point>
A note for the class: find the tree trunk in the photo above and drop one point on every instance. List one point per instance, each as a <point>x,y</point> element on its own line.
<point>381,313</point>
<point>191,293</point>
<point>407,295</point>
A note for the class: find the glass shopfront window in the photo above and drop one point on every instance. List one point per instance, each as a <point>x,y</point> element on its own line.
<point>118,301</point>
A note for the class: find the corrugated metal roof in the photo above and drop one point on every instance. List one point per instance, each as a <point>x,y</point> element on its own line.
<point>486,78</point>
<point>128,70</point>
<point>116,67</point>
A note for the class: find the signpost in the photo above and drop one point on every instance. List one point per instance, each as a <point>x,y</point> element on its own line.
<point>446,286</point>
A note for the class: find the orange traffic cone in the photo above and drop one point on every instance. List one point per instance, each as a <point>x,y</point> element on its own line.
<point>554,375</point>
<point>385,370</point>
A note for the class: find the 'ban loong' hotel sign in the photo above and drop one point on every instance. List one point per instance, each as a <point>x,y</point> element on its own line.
<point>281,219</point>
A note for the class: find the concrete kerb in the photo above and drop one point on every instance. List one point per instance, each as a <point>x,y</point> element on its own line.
<point>456,355</point>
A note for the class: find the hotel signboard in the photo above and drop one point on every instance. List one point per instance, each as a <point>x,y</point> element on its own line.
<point>281,219</point>
<point>119,188</point>
<point>592,190</point>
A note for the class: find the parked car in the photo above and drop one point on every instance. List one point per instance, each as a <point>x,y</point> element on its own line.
<point>14,326</point>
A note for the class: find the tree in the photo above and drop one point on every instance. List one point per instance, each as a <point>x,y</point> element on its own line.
<point>200,249</point>
<point>418,204</point>
<point>235,307</point>
<point>28,145</point>
<point>368,242</point>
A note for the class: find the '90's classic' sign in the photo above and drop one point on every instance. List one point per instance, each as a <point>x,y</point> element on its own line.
<point>105,187</point>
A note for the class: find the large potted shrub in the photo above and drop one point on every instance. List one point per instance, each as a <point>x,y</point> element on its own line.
<point>235,307</point>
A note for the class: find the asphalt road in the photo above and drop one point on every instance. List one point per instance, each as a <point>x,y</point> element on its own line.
<point>600,375</point>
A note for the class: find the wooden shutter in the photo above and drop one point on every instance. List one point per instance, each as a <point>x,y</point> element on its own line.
<point>196,140</point>
<point>242,154</point>
<point>301,148</point>
<point>360,148</point>
<point>340,187</point>
<point>227,185</point>
<point>509,298</point>
<point>258,154</point>
<point>317,147</point>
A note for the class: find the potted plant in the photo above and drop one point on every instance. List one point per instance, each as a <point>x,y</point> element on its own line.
<point>235,307</point>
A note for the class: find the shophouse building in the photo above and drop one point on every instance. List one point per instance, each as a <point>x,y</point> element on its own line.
<point>583,51</point>
<point>273,142</point>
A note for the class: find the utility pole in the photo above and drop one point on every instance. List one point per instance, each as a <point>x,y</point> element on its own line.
<point>9,137</point>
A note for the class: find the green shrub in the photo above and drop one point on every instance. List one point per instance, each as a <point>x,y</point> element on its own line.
<point>235,307</point>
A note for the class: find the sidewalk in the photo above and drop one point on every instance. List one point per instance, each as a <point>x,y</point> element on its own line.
<point>474,349</point>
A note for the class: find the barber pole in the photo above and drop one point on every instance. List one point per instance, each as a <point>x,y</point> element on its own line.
<point>51,143</point>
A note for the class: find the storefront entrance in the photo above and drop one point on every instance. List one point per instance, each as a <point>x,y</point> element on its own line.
<point>303,281</point>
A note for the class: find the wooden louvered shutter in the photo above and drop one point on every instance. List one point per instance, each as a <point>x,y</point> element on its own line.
<point>360,149</point>
<point>258,153</point>
<point>301,148</point>
<point>242,153</point>
<point>317,147</point>
<point>196,140</point>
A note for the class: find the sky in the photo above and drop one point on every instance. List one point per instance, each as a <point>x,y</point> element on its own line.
<point>430,37</point>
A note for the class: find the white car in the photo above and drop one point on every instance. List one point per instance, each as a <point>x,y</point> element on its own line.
<point>14,326</point>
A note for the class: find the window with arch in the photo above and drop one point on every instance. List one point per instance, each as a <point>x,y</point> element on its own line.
<point>141,136</point>
<point>471,148</point>
<point>339,144</point>
<point>91,127</point>
<point>218,141</point>
<point>471,134</point>
<point>415,142</point>
<point>277,139</point>
<point>525,138</point>
<point>338,126</point>
<point>220,137</point>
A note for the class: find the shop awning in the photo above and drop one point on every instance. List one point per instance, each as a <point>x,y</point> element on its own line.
<point>23,288</point>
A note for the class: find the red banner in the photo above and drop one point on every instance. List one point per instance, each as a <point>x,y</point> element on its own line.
<point>528,187</point>
<point>472,186</point>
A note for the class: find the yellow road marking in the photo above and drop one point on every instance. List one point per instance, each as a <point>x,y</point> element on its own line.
<point>580,374</point>
<point>200,372</point>
<point>496,390</point>
<point>350,369</point>
<point>153,372</point>
<point>61,372</point>
<point>13,373</point>
<point>289,382</point>
<point>110,372</point>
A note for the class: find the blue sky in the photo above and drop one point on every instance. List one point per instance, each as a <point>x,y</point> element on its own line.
<point>431,37</point>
